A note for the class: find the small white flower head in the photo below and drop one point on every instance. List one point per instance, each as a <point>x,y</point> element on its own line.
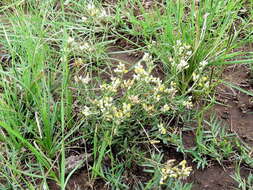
<point>103,14</point>
<point>148,108</point>
<point>105,103</point>
<point>171,170</point>
<point>78,62</point>
<point>121,68</point>
<point>187,46</point>
<point>139,70</point>
<point>126,109</point>
<point>115,82</point>
<point>157,97</point>
<point>182,65</point>
<point>204,79</point>
<point>92,9</point>
<point>84,19</point>
<point>156,80</point>
<point>162,129</point>
<point>171,59</point>
<point>173,84</point>
<point>165,108</point>
<point>83,80</point>
<point>195,76</point>
<point>206,85</point>
<point>188,103</point>
<point>127,84</point>
<point>86,111</point>
<point>70,40</point>
<point>160,88</point>
<point>202,64</point>
<point>85,47</point>
<point>179,43</point>
<point>134,99</point>
<point>147,57</point>
<point>188,53</point>
<point>181,50</point>
<point>90,6</point>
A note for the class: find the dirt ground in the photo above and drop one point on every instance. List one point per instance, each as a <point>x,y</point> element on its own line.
<point>238,107</point>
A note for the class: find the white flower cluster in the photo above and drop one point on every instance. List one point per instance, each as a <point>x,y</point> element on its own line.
<point>171,170</point>
<point>121,69</point>
<point>162,129</point>
<point>182,54</point>
<point>199,78</point>
<point>83,80</point>
<point>113,86</point>
<point>79,46</point>
<point>188,103</point>
<point>98,14</point>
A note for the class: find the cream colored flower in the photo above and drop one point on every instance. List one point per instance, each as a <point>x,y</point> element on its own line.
<point>188,53</point>
<point>162,129</point>
<point>179,43</point>
<point>113,87</point>
<point>127,84</point>
<point>173,84</point>
<point>195,76</point>
<point>157,97</point>
<point>203,63</point>
<point>154,141</point>
<point>188,104</point>
<point>148,108</point>
<point>84,19</point>
<point>147,57</point>
<point>86,111</point>
<point>182,65</point>
<point>105,104</point>
<point>121,68</point>
<point>134,99</point>
<point>156,80</point>
<point>171,59</point>
<point>171,170</point>
<point>127,109</point>
<point>165,108</point>
<point>70,40</point>
<point>84,80</point>
<point>85,47</point>
<point>103,14</point>
<point>139,69</point>
<point>92,10</point>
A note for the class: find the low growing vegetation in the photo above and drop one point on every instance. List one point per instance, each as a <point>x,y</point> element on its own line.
<point>113,88</point>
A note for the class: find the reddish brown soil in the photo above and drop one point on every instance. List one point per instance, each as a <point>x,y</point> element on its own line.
<point>215,178</point>
<point>237,111</point>
<point>81,181</point>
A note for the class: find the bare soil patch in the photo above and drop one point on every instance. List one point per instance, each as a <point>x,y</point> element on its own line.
<point>215,178</point>
<point>237,108</point>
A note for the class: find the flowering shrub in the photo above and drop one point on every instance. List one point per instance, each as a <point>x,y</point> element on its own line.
<point>142,98</point>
